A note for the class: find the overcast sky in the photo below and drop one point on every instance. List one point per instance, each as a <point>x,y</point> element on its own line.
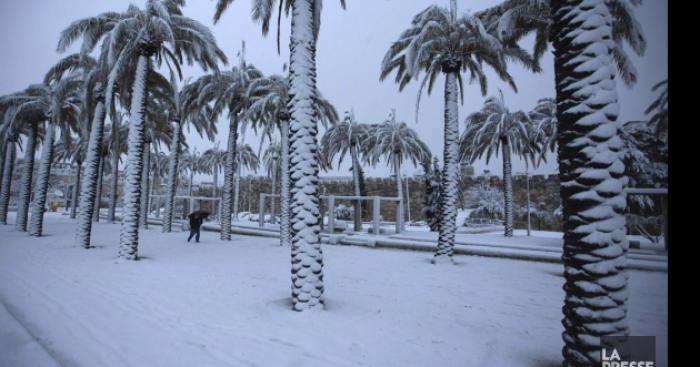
<point>351,46</point>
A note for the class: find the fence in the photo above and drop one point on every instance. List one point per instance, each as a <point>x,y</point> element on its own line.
<point>331,199</point>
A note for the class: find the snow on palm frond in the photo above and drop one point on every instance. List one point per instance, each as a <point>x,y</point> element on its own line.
<point>512,20</point>
<point>434,44</point>
<point>491,127</point>
<point>341,138</point>
<point>263,10</point>
<point>394,141</point>
<point>659,108</point>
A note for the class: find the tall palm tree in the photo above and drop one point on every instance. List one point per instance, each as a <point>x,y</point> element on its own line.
<point>396,142</point>
<point>346,137</point>
<point>25,119</point>
<point>227,91</point>
<point>496,128</point>
<point>307,259</point>
<point>58,98</point>
<point>185,111</point>
<point>161,33</point>
<point>440,41</point>
<point>11,128</point>
<point>592,178</point>
<point>513,20</point>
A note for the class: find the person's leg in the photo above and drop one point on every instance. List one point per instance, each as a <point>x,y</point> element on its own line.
<point>192,232</point>
<point>198,228</point>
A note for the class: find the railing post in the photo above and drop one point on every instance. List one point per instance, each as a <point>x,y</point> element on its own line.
<point>261,211</point>
<point>664,215</point>
<point>375,215</point>
<point>158,206</point>
<point>399,215</point>
<point>331,213</point>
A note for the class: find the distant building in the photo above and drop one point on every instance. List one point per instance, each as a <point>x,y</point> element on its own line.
<point>466,170</point>
<point>331,179</point>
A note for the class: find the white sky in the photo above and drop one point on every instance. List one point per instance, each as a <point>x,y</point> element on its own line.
<point>351,46</point>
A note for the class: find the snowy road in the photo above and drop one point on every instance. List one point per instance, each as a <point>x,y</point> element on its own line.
<point>227,304</point>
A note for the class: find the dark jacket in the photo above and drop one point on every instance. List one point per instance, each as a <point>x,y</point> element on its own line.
<point>195,220</point>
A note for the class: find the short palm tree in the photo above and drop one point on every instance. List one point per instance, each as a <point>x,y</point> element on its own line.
<point>307,259</point>
<point>346,137</point>
<point>592,178</point>
<point>495,128</point>
<point>192,164</point>
<point>440,41</point>
<point>73,153</point>
<point>396,142</point>
<point>248,159</point>
<point>214,160</point>
<point>271,158</point>
<point>157,32</point>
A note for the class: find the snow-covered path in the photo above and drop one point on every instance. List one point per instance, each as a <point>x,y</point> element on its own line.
<point>227,304</point>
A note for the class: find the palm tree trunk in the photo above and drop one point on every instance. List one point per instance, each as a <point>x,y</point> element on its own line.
<point>285,238</point>
<point>399,191</point>
<point>3,148</point>
<point>189,192</point>
<point>9,165</point>
<point>507,188</point>
<point>98,191</point>
<point>129,234</point>
<point>88,185</point>
<point>592,180</point>
<point>36,222</point>
<point>76,190</point>
<point>145,176</point>
<point>172,177</point>
<point>229,169</point>
<point>113,189</point>
<point>25,189</point>
<point>273,191</point>
<point>450,173</point>
<point>356,185</point>
<point>237,189</point>
<point>307,256</point>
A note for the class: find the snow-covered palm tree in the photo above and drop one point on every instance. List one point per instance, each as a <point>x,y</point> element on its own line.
<point>213,160</point>
<point>513,20</point>
<point>191,163</point>
<point>226,91</point>
<point>73,153</point>
<point>248,159</point>
<point>59,99</point>
<point>659,108</point>
<point>395,142</point>
<point>544,118</point>
<point>25,121</point>
<point>496,128</point>
<point>267,109</point>
<point>307,258</point>
<point>347,137</point>
<point>116,143</point>
<point>592,178</point>
<point>441,41</point>
<point>271,158</point>
<point>185,111</point>
<point>158,32</point>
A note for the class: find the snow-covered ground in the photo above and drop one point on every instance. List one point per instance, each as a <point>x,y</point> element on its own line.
<point>227,304</point>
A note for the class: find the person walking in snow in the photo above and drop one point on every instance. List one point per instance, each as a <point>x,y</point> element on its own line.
<point>196,219</point>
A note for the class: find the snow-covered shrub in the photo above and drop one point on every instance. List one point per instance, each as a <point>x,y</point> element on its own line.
<point>485,202</point>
